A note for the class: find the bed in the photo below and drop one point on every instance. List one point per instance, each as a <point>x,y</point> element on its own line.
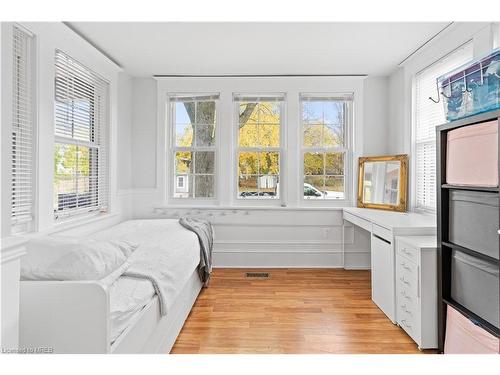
<point>117,314</point>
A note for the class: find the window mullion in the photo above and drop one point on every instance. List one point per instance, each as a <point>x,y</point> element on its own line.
<point>81,105</point>
<point>268,117</point>
<point>330,111</point>
<point>178,105</point>
<point>426,117</point>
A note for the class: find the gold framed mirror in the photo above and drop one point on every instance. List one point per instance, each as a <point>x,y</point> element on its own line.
<point>383,182</point>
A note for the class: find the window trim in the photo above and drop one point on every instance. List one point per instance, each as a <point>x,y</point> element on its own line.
<point>349,98</point>
<point>30,225</point>
<point>101,129</point>
<point>270,202</point>
<point>172,148</point>
<point>411,81</point>
<point>290,160</point>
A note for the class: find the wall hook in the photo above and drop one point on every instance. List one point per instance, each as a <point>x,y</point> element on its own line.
<point>437,90</point>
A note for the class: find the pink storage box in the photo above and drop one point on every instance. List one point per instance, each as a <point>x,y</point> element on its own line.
<point>464,337</point>
<point>472,155</point>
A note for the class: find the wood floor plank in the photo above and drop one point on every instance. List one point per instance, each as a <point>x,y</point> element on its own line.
<point>294,311</point>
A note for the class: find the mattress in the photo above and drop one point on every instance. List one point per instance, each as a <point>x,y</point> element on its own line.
<point>128,296</point>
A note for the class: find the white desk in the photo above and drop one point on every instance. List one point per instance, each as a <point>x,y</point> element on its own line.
<point>384,226</point>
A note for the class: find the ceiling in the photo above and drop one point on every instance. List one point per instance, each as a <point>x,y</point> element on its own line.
<point>201,48</point>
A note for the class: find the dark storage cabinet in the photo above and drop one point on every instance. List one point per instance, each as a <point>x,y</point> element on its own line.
<point>475,285</point>
<point>468,239</point>
<point>473,221</point>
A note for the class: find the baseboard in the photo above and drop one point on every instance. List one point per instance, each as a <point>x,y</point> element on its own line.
<point>288,259</point>
<point>280,259</point>
<point>357,268</point>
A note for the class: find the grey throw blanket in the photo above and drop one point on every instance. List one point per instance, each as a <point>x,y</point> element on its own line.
<point>153,264</point>
<point>204,231</point>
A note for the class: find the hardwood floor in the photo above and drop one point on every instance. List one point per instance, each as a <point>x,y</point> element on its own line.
<point>294,311</point>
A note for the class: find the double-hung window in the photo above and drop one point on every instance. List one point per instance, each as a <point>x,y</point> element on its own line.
<point>81,170</point>
<point>496,35</point>
<point>22,132</point>
<point>325,121</point>
<point>193,121</point>
<point>427,115</point>
<point>259,128</point>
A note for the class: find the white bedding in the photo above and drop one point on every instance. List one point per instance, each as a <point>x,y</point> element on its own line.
<point>72,258</point>
<point>129,296</point>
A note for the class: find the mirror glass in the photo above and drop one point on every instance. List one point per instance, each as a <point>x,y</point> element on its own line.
<point>381,182</point>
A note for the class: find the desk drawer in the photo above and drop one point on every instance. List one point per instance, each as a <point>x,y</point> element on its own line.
<point>382,232</point>
<point>407,303</point>
<point>408,252</point>
<point>406,268</point>
<point>405,294</point>
<point>365,224</point>
<point>410,323</point>
<point>408,283</point>
<point>408,310</point>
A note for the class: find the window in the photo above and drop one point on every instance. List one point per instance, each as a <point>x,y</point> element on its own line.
<point>81,139</point>
<point>325,145</point>
<point>180,181</point>
<point>427,115</point>
<point>22,132</point>
<point>259,123</point>
<point>193,120</point>
<point>496,35</point>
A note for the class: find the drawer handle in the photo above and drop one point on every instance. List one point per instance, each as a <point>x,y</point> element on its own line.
<point>403,306</point>
<point>406,251</point>
<point>403,293</point>
<point>406,324</point>
<point>404,281</point>
<point>403,264</point>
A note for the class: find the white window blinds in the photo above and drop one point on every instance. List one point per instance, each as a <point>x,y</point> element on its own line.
<point>81,139</point>
<point>22,132</point>
<point>427,115</point>
<point>496,35</point>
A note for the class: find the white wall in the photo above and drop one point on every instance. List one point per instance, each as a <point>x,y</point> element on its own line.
<point>124,137</point>
<point>50,36</point>
<point>372,125</point>
<point>482,34</point>
<point>375,115</point>
<point>144,132</point>
<point>295,236</point>
<point>282,237</point>
<point>396,115</point>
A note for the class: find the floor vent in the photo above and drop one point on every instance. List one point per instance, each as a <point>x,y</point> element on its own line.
<point>259,275</point>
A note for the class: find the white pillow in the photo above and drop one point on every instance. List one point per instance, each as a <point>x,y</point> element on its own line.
<point>126,247</point>
<point>66,258</point>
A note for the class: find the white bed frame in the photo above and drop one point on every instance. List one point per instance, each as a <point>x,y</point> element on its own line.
<point>73,317</point>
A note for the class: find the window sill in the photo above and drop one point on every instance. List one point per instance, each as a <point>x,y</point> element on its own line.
<point>18,241</point>
<point>13,247</point>
<point>76,221</point>
<point>159,209</point>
